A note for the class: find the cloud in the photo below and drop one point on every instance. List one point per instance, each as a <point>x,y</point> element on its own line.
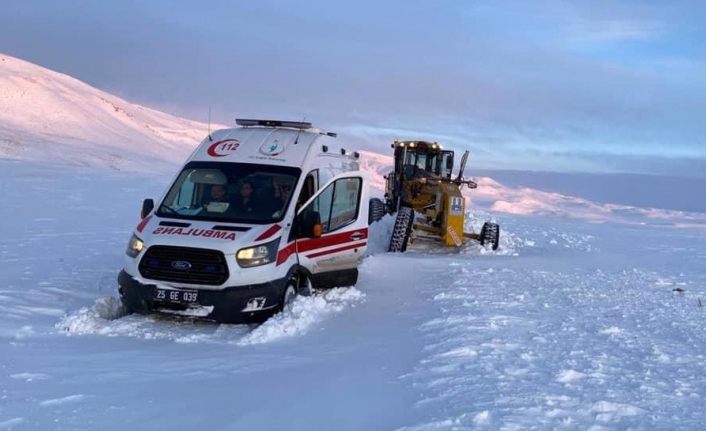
<point>613,31</point>
<point>523,84</point>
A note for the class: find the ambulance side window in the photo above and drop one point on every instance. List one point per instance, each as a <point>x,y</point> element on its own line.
<point>325,175</point>
<point>337,205</point>
<point>309,188</point>
<point>322,205</point>
<point>346,200</point>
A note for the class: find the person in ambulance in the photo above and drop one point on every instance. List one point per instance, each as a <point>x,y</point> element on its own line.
<point>284,215</point>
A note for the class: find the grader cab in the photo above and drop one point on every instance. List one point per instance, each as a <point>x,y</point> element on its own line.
<point>427,198</point>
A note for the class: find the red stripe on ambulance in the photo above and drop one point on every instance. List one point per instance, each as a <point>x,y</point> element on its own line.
<point>334,239</point>
<point>287,251</point>
<point>336,250</point>
<point>323,242</point>
<point>269,232</point>
<point>141,226</point>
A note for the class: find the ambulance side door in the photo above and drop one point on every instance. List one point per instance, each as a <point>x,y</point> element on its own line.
<point>340,210</point>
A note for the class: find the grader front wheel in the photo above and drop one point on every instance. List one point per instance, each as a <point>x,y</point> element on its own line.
<point>402,230</point>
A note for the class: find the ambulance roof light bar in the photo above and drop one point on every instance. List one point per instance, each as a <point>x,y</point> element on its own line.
<point>301,125</point>
<point>272,123</point>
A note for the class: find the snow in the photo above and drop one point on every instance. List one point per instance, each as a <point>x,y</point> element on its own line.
<point>302,315</point>
<point>63,400</point>
<point>586,317</point>
<point>10,423</point>
<point>29,376</point>
<point>45,115</point>
<point>569,376</point>
<point>500,198</point>
<point>481,418</point>
<point>568,325</point>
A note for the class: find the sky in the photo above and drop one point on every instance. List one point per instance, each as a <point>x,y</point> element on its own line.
<point>594,86</point>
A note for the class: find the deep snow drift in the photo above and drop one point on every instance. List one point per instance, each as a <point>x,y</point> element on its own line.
<point>569,325</point>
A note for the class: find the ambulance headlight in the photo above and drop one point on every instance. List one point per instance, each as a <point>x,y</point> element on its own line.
<point>135,246</point>
<point>259,255</point>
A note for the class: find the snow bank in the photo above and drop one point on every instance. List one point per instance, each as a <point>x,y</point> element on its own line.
<point>303,314</point>
<point>63,400</point>
<point>379,234</point>
<point>11,423</point>
<point>107,317</point>
<point>95,319</point>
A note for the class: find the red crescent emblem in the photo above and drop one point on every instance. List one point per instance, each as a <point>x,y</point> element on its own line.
<point>228,145</point>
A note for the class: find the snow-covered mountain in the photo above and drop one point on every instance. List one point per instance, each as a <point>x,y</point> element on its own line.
<point>499,198</point>
<point>49,116</point>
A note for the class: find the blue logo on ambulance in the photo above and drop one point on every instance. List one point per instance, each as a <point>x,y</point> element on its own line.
<point>272,149</point>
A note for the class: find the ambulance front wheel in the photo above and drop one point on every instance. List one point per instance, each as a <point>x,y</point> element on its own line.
<point>298,284</point>
<point>125,308</point>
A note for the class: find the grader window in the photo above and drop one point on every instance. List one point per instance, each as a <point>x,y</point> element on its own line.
<point>446,164</point>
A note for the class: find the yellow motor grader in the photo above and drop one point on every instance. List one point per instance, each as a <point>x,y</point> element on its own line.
<point>428,200</point>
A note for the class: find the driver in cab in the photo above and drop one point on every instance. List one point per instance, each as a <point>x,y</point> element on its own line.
<point>218,201</point>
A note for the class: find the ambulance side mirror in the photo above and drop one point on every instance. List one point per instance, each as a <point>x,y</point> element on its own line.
<point>147,207</point>
<point>316,230</point>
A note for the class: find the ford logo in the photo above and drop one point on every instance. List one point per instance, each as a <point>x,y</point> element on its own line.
<point>181,264</point>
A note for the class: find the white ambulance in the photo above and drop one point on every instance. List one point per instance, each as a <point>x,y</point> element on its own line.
<point>258,214</point>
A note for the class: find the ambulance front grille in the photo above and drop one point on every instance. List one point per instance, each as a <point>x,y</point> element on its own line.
<point>184,265</point>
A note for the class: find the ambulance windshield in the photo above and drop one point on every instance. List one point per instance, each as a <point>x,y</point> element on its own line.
<point>230,192</point>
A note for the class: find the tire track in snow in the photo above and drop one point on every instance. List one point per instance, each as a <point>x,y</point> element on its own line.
<point>519,349</point>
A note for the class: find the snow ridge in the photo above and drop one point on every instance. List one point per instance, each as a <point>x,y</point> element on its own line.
<point>51,117</point>
<point>496,345</point>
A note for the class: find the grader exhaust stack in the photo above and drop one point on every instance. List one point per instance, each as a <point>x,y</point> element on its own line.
<point>427,200</point>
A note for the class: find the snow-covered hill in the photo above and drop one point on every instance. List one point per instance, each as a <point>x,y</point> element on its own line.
<point>51,117</point>
<point>499,198</point>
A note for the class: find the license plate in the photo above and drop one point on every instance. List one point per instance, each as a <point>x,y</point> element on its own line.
<point>176,296</point>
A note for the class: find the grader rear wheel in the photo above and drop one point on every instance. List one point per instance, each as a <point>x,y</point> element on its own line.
<point>490,234</point>
<point>376,210</point>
